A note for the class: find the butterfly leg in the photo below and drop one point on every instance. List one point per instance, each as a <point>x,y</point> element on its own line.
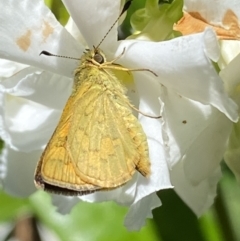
<point>118,67</point>
<point>114,60</point>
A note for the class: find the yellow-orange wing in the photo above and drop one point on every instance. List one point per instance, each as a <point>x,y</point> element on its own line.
<point>105,141</point>
<point>55,171</point>
<point>97,145</point>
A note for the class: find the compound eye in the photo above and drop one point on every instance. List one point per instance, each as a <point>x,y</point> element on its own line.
<point>98,58</point>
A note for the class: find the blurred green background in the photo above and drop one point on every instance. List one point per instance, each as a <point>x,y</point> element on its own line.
<point>174,221</point>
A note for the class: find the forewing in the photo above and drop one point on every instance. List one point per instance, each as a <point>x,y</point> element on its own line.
<point>55,171</point>
<point>105,141</point>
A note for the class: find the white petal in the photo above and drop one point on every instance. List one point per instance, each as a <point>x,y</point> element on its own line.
<point>211,46</point>
<point>138,212</point>
<point>123,195</point>
<point>42,87</point>
<point>159,178</point>
<point>232,158</point>
<point>230,76</point>
<point>94,18</point>
<point>198,197</point>
<point>9,68</point>
<point>19,167</point>
<point>26,122</point>
<point>64,204</point>
<point>3,165</point>
<point>229,50</point>
<point>74,31</point>
<point>182,65</point>
<point>197,135</point>
<point>28,27</point>
<point>214,11</point>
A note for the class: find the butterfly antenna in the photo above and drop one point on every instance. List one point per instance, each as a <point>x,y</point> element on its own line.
<point>55,55</point>
<point>125,8</point>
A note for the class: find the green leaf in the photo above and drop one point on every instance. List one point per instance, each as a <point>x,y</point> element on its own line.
<point>210,227</point>
<point>89,221</point>
<point>11,207</point>
<point>58,10</point>
<point>175,221</point>
<point>125,28</point>
<point>155,21</point>
<point>227,207</point>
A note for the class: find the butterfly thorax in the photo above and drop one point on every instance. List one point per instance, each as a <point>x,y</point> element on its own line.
<point>94,70</point>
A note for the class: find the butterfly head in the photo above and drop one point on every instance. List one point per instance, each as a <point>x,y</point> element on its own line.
<point>95,56</point>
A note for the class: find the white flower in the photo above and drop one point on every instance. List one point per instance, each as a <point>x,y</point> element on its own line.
<point>225,20</point>
<point>187,91</point>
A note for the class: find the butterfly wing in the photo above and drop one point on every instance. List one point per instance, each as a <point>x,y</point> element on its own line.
<point>55,171</point>
<point>106,142</point>
<point>98,144</point>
